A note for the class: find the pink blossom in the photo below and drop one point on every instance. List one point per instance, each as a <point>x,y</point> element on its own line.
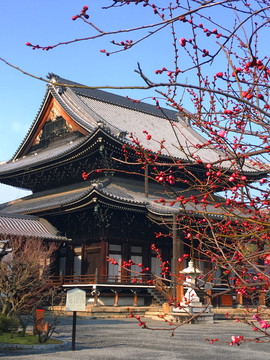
<point>219,74</point>
<point>182,42</point>
<point>222,133</point>
<point>267,260</point>
<point>264,324</point>
<point>235,340</point>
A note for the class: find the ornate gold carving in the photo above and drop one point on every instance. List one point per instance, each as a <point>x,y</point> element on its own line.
<point>53,115</point>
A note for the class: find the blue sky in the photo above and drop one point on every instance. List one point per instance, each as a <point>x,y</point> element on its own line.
<point>49,22</point>
<point>46,23</point>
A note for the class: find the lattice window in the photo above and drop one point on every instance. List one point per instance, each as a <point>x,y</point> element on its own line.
<point>51,131</point>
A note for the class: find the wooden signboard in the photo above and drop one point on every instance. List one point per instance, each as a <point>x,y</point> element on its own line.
<point>76,299</point>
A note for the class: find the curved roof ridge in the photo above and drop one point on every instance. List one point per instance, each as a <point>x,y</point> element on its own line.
<point>115,99</point>
<point>68,102</point>
<point>32,125</point>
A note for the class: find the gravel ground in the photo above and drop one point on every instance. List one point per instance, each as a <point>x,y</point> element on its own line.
<point>124,339</point>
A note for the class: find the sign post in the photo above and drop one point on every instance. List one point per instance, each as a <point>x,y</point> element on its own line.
<point>76,299</point>
<point>73,330</point>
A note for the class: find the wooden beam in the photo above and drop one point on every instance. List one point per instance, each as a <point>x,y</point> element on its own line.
<point>146,180</point>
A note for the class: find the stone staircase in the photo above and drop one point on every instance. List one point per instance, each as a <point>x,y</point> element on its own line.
<point>159,297</point>
<point>161,294</point>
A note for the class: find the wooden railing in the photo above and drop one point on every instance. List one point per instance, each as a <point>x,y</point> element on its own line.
<point>143,279</point>
<point>161,286</point>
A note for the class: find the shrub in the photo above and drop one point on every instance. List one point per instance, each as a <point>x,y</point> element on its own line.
<point>8,324</point>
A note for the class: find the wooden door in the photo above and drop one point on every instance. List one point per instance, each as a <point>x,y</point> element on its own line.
<point>91,262</point>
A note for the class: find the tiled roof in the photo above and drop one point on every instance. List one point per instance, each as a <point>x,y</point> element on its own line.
<point>114,99</point>
<point>22,225</point>
<point>40,157</point>
<point>118,191</point>
<point>89,107</point>
<point>120,114</point>
<point>48,199</point>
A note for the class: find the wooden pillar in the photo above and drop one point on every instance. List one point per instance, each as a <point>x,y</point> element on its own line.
<point>262,298</point>
<point>103,259</point>
<point>69,260</point>
<point>207,298</point>
<point>115,298</point>
<point>180,266</point>
<point>178,250</point>
<point>135,301</point>
<point>61,279</point>
<point>239,299</point>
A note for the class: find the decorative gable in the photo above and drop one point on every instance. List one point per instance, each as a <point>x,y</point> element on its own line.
<point>53,126</point>
<point>56,127</point>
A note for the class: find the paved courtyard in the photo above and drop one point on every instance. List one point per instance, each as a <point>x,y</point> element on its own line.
<point>124,339</point>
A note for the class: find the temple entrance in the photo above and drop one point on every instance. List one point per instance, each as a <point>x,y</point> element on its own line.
<point>91,261</point>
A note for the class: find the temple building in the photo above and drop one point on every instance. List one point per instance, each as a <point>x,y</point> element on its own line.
<point>90,193</point>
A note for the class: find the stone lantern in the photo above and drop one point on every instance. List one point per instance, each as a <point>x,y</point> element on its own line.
<point>191,299</point>
<point>191,304</point>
